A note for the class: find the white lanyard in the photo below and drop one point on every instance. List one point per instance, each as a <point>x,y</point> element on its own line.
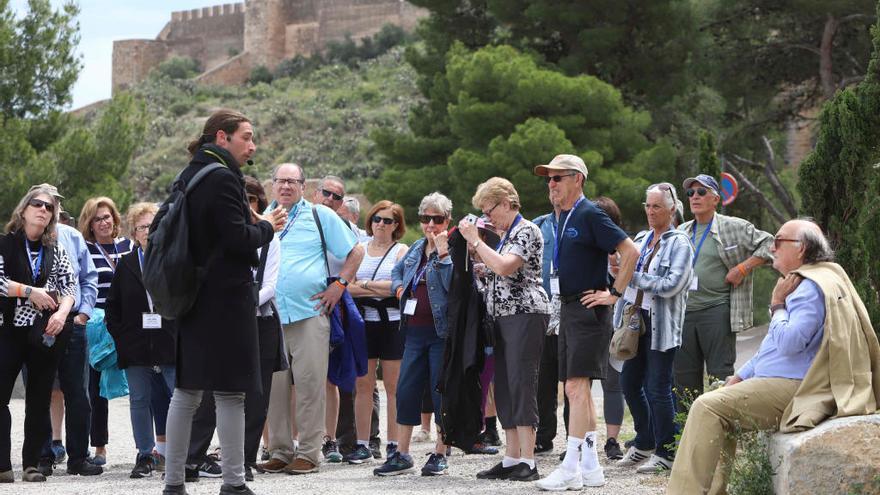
<point>141,260</point>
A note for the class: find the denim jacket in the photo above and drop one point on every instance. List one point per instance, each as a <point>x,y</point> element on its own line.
<point>439,277</point>
<point>667,288</point>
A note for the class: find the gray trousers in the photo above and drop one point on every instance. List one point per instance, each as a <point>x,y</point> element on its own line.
<point>706,340</point>
<point>230,429</point>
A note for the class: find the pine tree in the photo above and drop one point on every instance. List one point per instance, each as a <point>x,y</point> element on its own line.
<point>840,181</point>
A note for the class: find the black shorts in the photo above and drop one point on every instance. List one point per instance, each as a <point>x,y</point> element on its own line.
<point>384,342</point>
<point>584,336</point>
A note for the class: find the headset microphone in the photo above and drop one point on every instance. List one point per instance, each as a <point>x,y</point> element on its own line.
<point>250,162</point>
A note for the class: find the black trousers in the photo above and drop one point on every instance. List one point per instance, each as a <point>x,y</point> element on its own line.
<point>73,378</point>
<point>99,433</point>
<point>16,350</point>
<point>548,382</point>
<point>346,429</point>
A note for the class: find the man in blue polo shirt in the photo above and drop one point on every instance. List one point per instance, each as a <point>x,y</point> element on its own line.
<point>304,300</point>
<point>579,277</point>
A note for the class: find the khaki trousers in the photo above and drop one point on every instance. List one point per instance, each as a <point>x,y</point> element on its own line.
<point>703,460</point>
<point>307,343</point>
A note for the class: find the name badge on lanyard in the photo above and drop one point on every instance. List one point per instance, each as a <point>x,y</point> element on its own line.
<point>152,321</point>
<point>410,307</point>
<point>554,285</point>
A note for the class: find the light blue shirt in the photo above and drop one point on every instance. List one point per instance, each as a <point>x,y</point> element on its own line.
<point>83,269</point>
<point>302,272</point>
<point>793,339</point>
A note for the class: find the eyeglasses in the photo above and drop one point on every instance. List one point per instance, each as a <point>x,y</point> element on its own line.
<point>487,213</point>
<point>289,182</point>
<point>39,203</point>
<point>777,241</point>
<point>142,228</point>
<point>702,191</point>
<point>108,218</point>
<point>327,194</point>
<point>557,178</point>
<point>386,221</point>
<point>426,219</point>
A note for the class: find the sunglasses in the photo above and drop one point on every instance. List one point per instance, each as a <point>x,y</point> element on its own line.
<point>777,241</point>
<point>557,178</point>
<point>328,194</point>
<point>386,221</point>
<point>702,191</point>
<point>426,219</point>
<point>37,203</point>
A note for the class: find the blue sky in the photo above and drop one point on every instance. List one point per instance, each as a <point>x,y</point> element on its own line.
<point>101,22</point>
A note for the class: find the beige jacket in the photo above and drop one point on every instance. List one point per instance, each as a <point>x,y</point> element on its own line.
<point>844,379</point>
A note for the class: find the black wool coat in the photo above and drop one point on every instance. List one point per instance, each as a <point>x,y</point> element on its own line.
<point>126,304</point>
<point>217,341</point>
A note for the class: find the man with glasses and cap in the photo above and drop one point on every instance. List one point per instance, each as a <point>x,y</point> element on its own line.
<point>579,278</point>
<point>72,377</point>
<point>727,250</point>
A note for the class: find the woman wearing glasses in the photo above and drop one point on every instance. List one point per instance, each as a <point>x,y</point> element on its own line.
<point>372,292</point>
<point>658,289</point>
<point>145,343</point>
<point>521,310</point>
<point>421,282</point>
<point>37,289</point>
<point>100,224</point>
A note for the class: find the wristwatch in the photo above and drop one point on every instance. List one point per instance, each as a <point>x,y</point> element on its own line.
<point>614,292</point>
<point>27,291</point>
<point>342,281</point>
<point>775,308</point>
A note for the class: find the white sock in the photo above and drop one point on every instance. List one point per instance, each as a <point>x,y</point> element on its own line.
<point>365,443</point>
<point>160,448</point>
<point>572,454</point>
<point>589,457</point>
<point>530,462</point>
<point>509,461</point>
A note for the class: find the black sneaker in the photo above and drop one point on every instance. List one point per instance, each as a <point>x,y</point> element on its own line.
<point>481,449</point>
<point>490,437</point>
<point>360,455</point>
<point>210,469</point>
<point>227,489</point>
<point>376,448</point>
<point>59,451</point>
<point>398,463</point>
<point>390,449</point>
<point>330,449</point>
<point>496,472</point>
<point>191,473</point>
<point>436,465</point>
<point>143,467</point>
<point>248,473</point>
<point>46,467</point>
<point>541,447</point>
<point>84,467</point>
<point>629,443</point>
<point>522,472</point>
<point>612,450</point>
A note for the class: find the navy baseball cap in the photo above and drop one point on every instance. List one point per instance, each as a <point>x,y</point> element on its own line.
<point>706,180</point>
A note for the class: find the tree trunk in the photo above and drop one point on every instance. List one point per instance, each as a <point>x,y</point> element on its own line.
<point>826,63</point>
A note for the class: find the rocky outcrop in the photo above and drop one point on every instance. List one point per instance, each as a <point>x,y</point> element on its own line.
<point>838,456</point>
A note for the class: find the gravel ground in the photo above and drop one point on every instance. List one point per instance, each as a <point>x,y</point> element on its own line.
<point>341,479</point>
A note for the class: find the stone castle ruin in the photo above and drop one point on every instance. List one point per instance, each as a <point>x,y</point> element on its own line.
<point>230,40</point>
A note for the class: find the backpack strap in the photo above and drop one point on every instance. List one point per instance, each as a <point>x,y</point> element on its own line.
<point>323,242</point>
<point>264,255</point>
<point>207,169</point>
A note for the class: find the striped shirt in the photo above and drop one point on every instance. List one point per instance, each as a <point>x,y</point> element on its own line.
<point>106,257</point>
<point>368,268</point>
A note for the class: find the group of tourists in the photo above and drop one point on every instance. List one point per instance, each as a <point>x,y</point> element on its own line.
<point>298,311</point>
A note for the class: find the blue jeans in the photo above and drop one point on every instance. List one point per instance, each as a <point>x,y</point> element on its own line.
<point>421,365</point>
<point>140,385</point>
<point>73,379</point>
<point>647,386</point>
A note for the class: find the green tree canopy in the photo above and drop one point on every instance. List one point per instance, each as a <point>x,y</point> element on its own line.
<point>506,115</point>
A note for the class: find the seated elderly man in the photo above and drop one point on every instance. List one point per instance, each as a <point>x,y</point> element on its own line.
<point>820,359</point>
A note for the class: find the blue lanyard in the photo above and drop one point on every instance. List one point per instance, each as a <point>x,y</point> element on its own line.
<point>509,230</point>
<point>644,251</point>
<point>559,237</point>
<point>694,239</point>
<point>36,264</point>
<point>419,276</point>
<point>287,227</point>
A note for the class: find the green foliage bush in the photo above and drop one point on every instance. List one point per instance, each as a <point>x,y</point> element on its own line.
<point>260,74</point>
<point>179,68</point>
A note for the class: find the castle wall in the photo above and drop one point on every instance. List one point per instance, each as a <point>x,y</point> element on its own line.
<point>264,31</point>
<point>233,71</point>
<point>133,60</point>
<point>210,35</point>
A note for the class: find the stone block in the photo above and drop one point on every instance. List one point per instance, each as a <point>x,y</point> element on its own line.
<point>835,457</point>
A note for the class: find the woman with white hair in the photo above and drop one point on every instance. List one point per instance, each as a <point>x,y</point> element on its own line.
<point>421,282</point>
<point>658,290</point>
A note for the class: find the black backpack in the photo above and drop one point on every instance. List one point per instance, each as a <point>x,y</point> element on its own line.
<point>171,274</point>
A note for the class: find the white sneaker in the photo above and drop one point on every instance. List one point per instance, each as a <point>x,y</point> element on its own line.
<point>634,456</point>
<point>561,479</point>
<point>654,465</point>
<point>594,478</point>
<point>422,436</point>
